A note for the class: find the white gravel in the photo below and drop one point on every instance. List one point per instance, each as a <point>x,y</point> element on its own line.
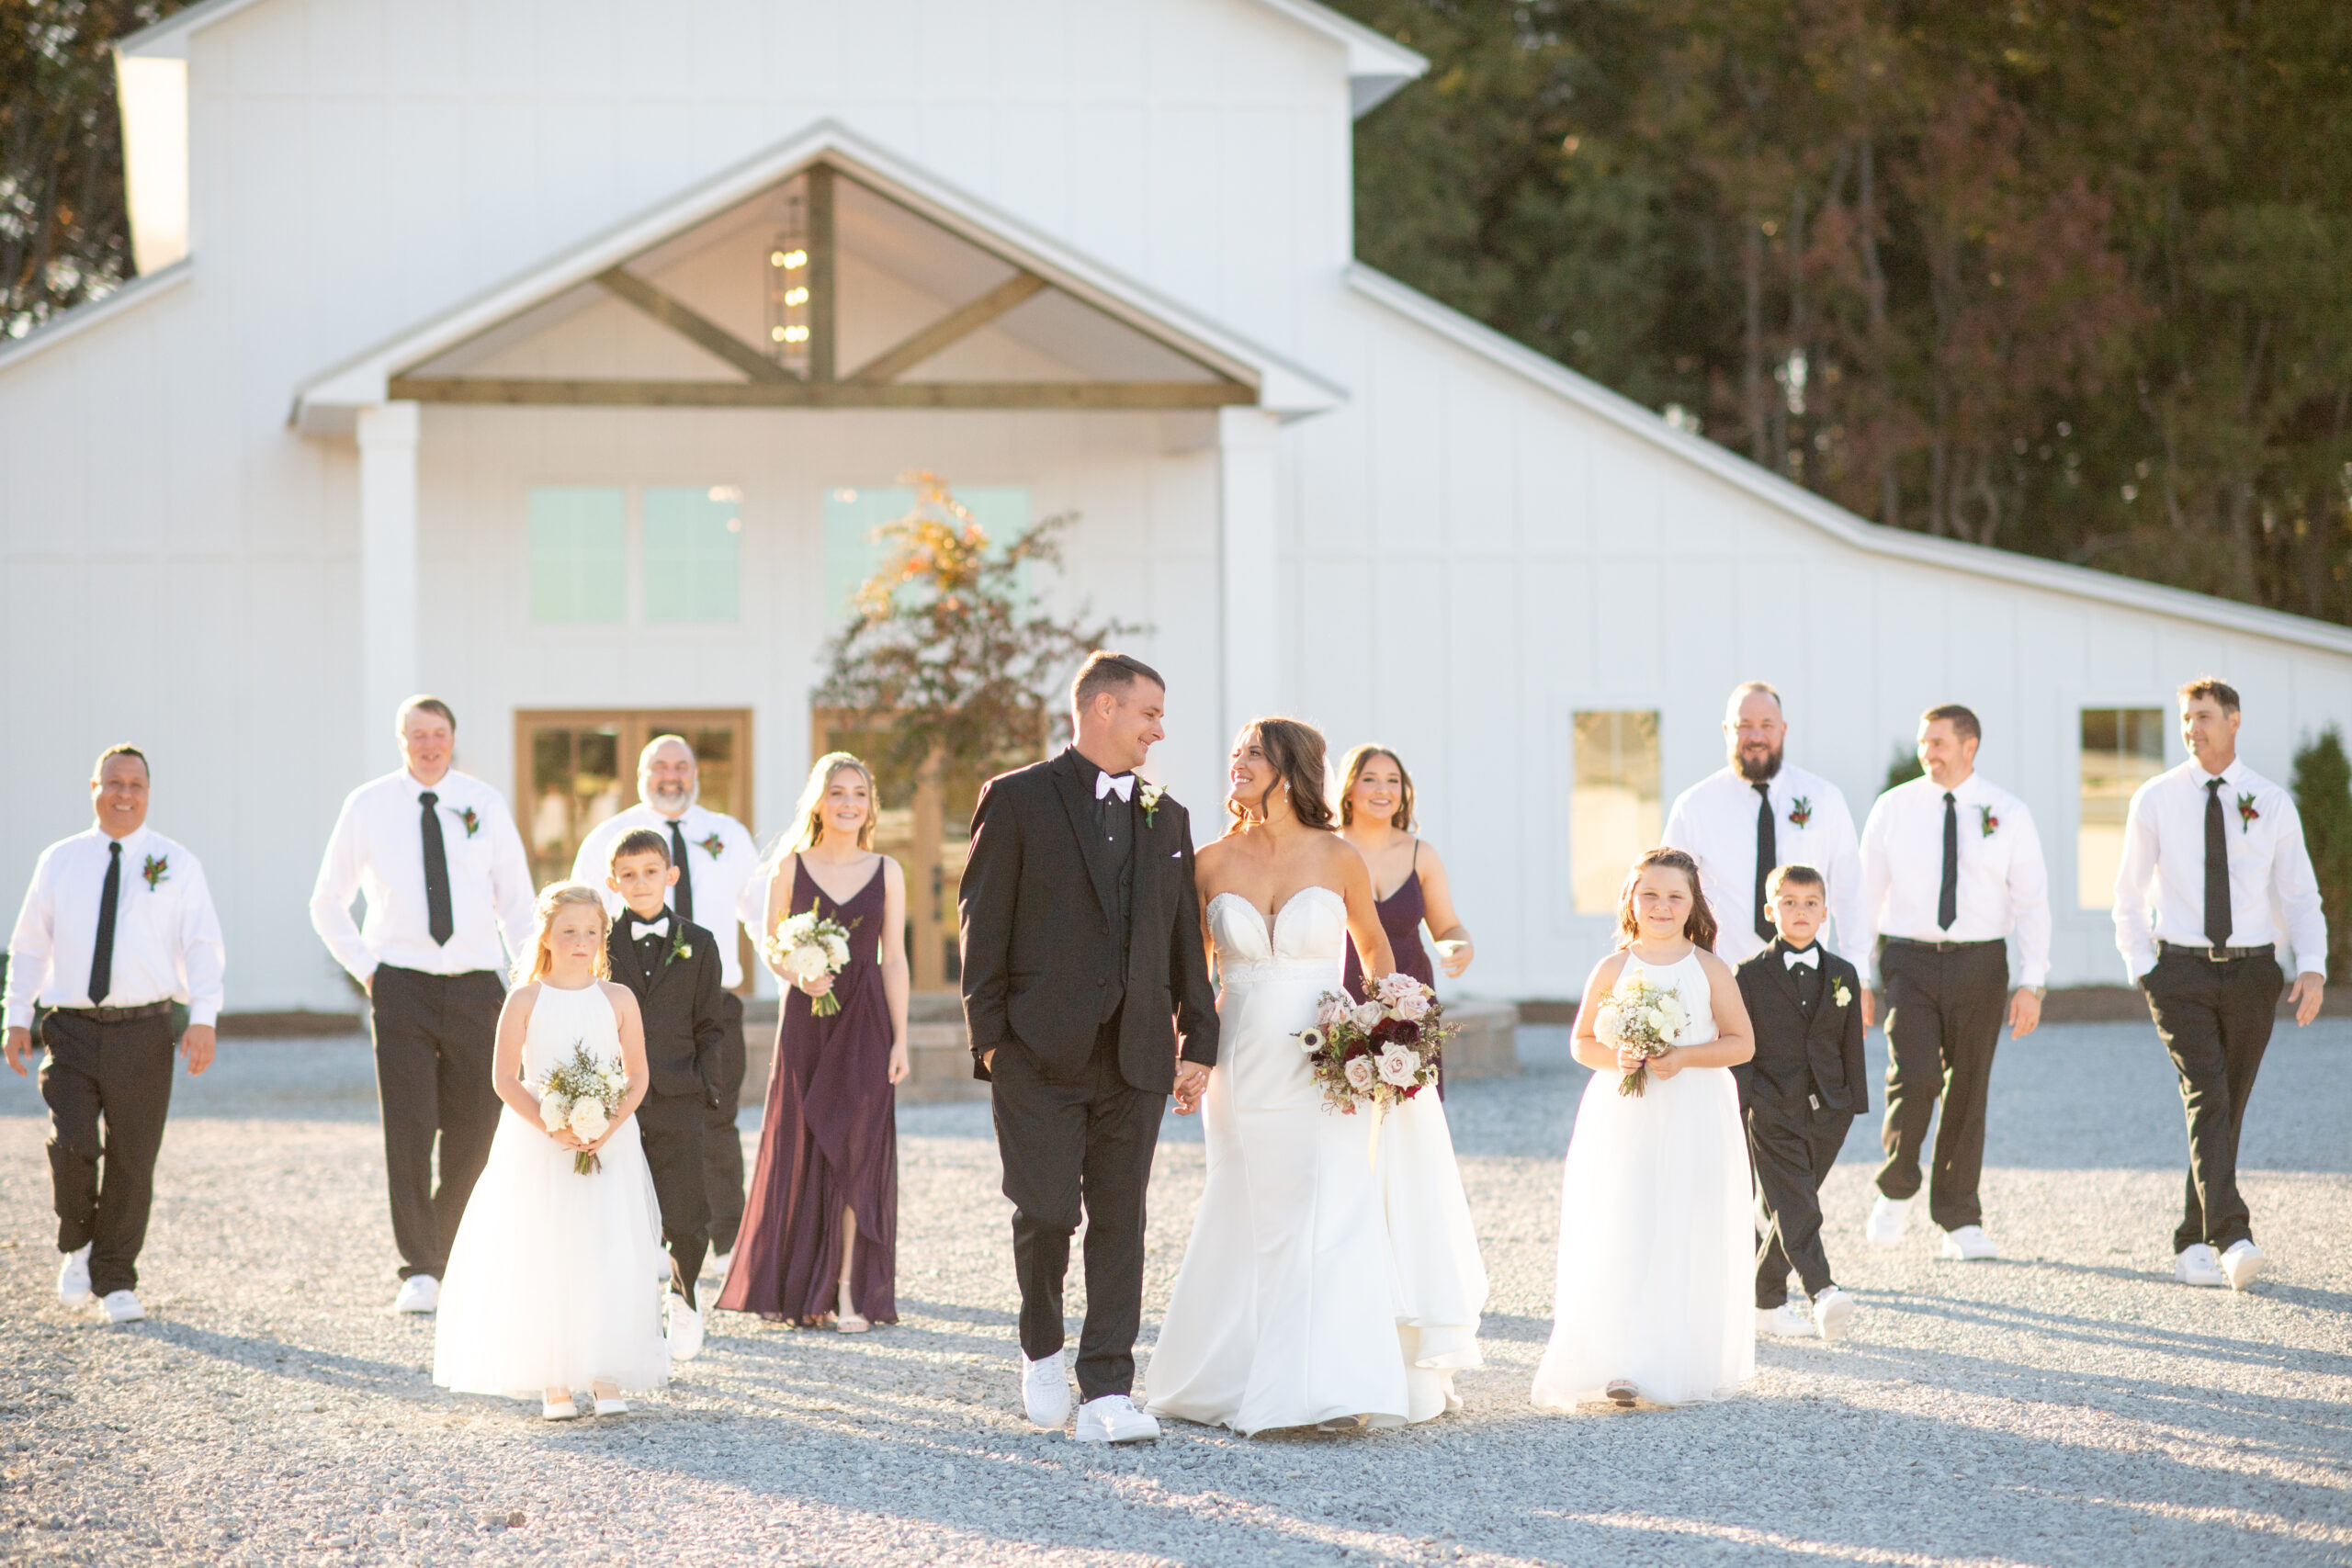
<point>2068,1405</point>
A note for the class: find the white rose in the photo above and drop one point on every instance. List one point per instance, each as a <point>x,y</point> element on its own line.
<point>1361,1074</point>
<point>1414,1008</point>
<point>1607,1021</point>
<point>1369,1013</point>
<point>807,963</point>
<point>553,1110</point>
<point>1397,1065</point>
<point>1395,985</point>
<point>1333,1009</point>
<point>588,1120</point>
<point>836,951</point>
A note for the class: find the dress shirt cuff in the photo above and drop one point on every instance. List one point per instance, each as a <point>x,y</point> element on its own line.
<point>2315,964</point>
<point>20,1014</point>
<point>2139,960</point>
<point>207,1013</point>
<point>2031,978</point>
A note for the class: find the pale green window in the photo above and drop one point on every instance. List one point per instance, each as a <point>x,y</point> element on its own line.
<point>855,515</point>
<point>694,538</point>
<point>578,553</point>
<point>1613,808</point>
<point>2122,749</point>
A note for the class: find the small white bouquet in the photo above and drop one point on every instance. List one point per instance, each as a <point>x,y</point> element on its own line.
<point>581,1094</point>
<point>1642,1018</point>
<point>805,945</point>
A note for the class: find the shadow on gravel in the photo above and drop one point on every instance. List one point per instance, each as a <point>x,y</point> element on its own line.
<point>350,1373</point>
<point>2108,1333</point>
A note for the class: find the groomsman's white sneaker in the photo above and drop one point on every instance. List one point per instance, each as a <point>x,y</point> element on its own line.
<point>1786,1321</point>
<point>2199,1264</point>
<point>419,1293</point>
<point>683,1326</point>
<point>1114,1418</point>
<point>1969,1243</point>
<point>120,1307</point>
<point>73,1277</point>
<point>2242,1262</point>
<point>1833,1312</point>
<point>1044,1391</point>
<point>1888,1216</point>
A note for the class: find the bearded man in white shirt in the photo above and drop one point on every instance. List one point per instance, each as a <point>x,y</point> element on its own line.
<point>2206,849</point>
<point>1759,812</point>
<point>436,856</point>
<point>116,926</point>
<point>718,884</point>
<point>1951,866</point>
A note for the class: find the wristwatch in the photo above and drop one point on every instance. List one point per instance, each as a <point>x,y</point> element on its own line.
<point>2039,991</point>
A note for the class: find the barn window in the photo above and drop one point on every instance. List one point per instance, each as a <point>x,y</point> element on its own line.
<point>578,553</point>
<point>1614,804</point>
<point>692,545</point>
<point>2122,749</point>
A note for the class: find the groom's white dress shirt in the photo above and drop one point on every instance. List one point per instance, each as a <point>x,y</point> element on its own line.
<point>377,850</point>
<point>2004,884</point>
<point>166,937</point>
<point>2273,890</point>
<point>1714,821</point>
<point>727,878</point>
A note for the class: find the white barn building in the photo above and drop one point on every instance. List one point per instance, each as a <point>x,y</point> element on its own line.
<point>463,358</point>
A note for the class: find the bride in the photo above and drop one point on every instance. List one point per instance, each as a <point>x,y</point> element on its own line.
<point>1295,1307</point>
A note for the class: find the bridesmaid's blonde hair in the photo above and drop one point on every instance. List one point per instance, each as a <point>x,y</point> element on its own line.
<point>554,899</point>
<point>809,815</point>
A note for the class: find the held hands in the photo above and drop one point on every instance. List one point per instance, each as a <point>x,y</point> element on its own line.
<point>2306,994</point>
<point>2025,1013</point>
<point>901,1063</point>
<point>1192,1082</point>
<point>19,1045</point>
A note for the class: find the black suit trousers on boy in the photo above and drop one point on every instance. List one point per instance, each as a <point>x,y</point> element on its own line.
<point>671,1127</point>
<point>1793,1147</point>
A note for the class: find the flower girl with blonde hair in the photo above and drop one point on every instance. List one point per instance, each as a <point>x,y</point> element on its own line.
<point>554,1277</point>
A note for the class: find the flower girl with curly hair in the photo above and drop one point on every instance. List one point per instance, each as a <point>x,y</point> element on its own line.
<point>1657,1236</point>
<point>555,1276</point>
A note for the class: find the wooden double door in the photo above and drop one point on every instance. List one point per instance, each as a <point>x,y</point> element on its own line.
<point>573,768</point>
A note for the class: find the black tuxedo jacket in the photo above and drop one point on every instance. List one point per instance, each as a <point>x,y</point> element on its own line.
<point>1040,944</point>
<point>1796,1055</point>
<point>678,997</point>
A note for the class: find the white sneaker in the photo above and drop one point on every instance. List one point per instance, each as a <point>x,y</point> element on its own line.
<point>121,1306</point>
<point>683,1326</point>
<point>1044,1391</point>
<point>1888,1216</point>
<point>1786,1321</point>
<point>2242,1262</point>
<point>419,1293</point>
<point>2199,1264</point>
<point>73,1277</point>
<point>1833,1312</point>
<point>1969,1243</point>
<point>1114,1418</point>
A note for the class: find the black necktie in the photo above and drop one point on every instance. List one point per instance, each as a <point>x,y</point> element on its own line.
<point>682,896</point>
<point>102,949</point>
<point>2217,868</point>
<point>1948,901</point>
<point>1766,854</point>
<point>437,919</point>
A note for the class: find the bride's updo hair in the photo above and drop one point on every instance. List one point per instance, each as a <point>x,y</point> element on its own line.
<point>554,899</point>
<point>1295,749</point>
<point>1700,928</point>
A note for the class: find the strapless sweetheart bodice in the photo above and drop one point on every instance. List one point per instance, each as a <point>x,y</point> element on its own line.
<point>1308,932</point>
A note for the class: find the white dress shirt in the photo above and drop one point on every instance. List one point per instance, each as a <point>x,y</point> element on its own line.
<point>726,872</point>
<point>1714,821</point>
<point>377,850</point>
<point>166,939</point>
<point>2273,891</point>
<point>2004,884</point>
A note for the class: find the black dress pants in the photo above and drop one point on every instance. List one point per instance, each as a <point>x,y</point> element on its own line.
<point>1072,1148</point>
<point>672,1127</point>
<point>435,1036</point>
<point>722,1145</point>
<point>2215,1020</point>
<point>121,1075</point>
<point>1944,1012</point>
<point>1793,1147</point>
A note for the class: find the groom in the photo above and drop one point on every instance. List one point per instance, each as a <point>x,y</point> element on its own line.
<point>1082,962</point>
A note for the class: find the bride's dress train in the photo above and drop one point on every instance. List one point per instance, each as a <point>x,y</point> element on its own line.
<point>1313,1287</point>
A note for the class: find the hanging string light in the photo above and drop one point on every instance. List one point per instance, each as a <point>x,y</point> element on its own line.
<point>787,285</point>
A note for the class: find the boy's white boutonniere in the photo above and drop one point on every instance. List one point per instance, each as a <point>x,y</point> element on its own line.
<point>679,946</point>
<point>1845,997</point>
<point>1149,798</point>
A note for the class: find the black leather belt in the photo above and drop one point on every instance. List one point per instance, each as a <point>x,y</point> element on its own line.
<point>116,1015</point>
<point>2217,954</point>
<point>1945,946</point>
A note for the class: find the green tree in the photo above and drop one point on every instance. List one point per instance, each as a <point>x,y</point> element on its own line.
<point>2323,790</point>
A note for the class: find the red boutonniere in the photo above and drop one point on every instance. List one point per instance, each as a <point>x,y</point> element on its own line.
<point>1987,823</point>
<point>2247,815</point>
<point>711,846</point>
<point>157,871</point>
<point>472,822</point>
<point>1800,811</point>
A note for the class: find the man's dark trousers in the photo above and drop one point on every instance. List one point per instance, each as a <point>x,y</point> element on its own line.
<point>671,1127</point>
<point>722,1145</point>
<point>435,1036</point>
<point>121,1074</point>
<point>1944,1012</point>
<point>2215,1020</point>
<point>1083,1146</point>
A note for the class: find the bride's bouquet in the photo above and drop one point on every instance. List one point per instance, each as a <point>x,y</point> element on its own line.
<point>805,945</point>
<point>1642,1018</point>
<point>1379,1052</point>
<point>581,1094</point>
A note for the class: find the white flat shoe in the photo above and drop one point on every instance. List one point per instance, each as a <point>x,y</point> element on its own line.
<point>1833,1312</point>
<point>551,1411</point>
<point>1343,1424</point>
<point>2242,1263</point>
<point>682,1325</point>
<point>1622,1393</point>
<point>419,1293</point>
<point>73,1277</point>
<point>1786,1321</point>
<point>1969,1243</point>
<point>121,1306</point>
<point>1888,1216</point>
<point>1044,1391</point>
<point>611,1404</point>
<point>1114,1418</point>
<point>2199,1264</point>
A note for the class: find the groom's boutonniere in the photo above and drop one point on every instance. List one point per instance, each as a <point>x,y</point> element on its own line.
<point>157,871</point>
<point>1845,997</point>
<point>713,846</point>
<point>471,820</point>
<point>1149,798</point>
<point>1987,823</point>
<point>1800,811</point>
<point>2247,815</point>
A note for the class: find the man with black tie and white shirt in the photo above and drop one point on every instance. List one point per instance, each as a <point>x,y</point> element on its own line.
<point>718,884</point>
<point>1950,866</point>
<point>1759,812</point>
<point>116,926</point>
<point>436,855</point>
<point>2208,848</point>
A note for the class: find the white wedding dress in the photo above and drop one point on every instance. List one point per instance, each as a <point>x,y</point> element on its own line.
<point>1658,1264</point>
<point>555,1279</point>
<point>1313,1287</point>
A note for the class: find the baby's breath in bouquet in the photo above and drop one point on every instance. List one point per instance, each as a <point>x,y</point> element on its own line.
<point>581,1094</point>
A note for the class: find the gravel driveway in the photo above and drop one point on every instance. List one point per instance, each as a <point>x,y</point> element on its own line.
<point>2067,1404</point>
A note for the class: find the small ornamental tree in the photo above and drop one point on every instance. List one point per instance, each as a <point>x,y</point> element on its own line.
<point>2323,789</point>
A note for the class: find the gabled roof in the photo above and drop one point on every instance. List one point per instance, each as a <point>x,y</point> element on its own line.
<point>71,323</point>
<point>1795,500</point>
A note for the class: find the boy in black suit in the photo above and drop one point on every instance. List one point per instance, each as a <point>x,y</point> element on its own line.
<point>1799,1094</point>
<point>673,966</point>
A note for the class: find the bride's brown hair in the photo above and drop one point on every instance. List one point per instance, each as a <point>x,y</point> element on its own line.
<point>1296,749</point>
<point>1700,928</point>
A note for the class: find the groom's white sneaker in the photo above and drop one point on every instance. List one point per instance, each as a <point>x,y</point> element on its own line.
<point>1888,1216</point>
<point>1969,1243</point>
<point>73,1277</point>
<point>2199,1264</point>
<point>684,1326</point>
<point>1784,1322</point>
<point>1044,1391</point>
<point>1833,1312</point>
<point>419,1293</point>
<point>2242,1262</point>
<point>1114,1418</point>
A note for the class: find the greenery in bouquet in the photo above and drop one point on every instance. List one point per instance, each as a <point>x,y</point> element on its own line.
<point>805,945</point>
<point>581,1093</point>
<point>1379,1052</point>
<point>1642,1018</point>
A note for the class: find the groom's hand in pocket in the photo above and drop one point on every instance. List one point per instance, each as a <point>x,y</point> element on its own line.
<point>1192,1082</point>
